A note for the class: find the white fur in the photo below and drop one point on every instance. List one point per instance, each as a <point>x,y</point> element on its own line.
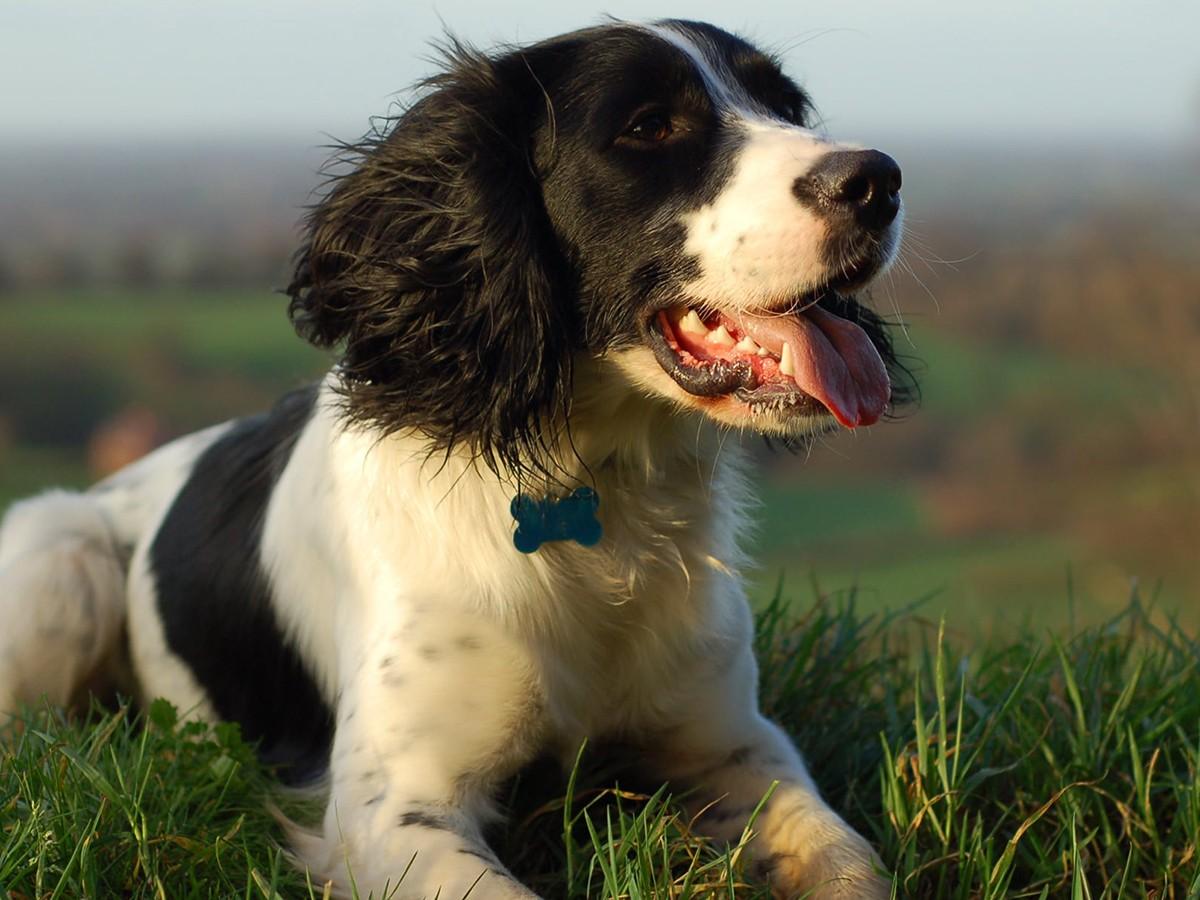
<point>455,658</point>
<point>61,598</point>
<point>756,245</point>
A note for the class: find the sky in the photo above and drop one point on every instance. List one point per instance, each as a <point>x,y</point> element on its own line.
<point>1018,73</point>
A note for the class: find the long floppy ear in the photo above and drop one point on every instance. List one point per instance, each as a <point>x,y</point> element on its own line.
<point>432,262</point>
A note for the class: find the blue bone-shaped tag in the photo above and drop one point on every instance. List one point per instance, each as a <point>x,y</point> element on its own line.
<point>573,518</point>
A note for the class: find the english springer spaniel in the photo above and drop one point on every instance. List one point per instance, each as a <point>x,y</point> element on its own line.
<point>508,519</point>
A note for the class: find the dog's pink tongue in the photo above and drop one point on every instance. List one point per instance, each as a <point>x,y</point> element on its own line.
<point>835,362</point>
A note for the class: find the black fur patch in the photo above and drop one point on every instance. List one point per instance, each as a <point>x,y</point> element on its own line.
<point>214,597</point>
<point>484,855</point>
<point>421,819</point>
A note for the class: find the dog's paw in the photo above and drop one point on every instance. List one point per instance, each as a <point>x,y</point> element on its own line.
<point>822,859</point>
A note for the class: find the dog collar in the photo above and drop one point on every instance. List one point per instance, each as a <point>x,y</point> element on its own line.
<point>570,518</point>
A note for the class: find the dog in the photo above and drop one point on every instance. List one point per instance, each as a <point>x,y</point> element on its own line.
<point>508,519</point>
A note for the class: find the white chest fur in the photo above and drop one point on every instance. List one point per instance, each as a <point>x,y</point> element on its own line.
<point>373,540</point>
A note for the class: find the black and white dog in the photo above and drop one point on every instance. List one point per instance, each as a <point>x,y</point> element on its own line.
<point>555,280</point>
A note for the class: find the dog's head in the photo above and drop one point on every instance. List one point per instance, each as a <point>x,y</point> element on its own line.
<point>649,194</point>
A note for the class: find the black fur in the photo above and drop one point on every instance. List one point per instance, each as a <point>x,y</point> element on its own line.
<point>214,597</point>
<point>422,819</point>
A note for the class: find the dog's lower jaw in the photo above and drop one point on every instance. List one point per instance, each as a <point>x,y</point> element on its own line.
<point>637,368</point>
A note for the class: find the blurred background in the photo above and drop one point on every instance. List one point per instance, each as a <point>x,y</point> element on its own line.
<point>155,159</point>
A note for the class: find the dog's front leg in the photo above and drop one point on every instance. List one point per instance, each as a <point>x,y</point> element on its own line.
<point>729,755</point>
<point>436,709</point>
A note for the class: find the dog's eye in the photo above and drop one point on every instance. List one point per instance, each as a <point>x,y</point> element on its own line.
<point>651,128</point>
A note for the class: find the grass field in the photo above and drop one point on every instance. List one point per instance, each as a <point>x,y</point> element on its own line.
<point>1046,767</point>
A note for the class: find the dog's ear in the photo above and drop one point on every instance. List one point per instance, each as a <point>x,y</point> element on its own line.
<point>432,263</point>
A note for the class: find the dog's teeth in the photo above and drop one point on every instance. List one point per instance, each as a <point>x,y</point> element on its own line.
<point>763,351</point>
<point>747,345</point>
<point>693,324</point>
<point>721,337</point>
<point>787,365</point>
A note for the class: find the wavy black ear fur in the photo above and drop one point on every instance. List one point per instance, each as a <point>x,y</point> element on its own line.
<point>432,262</point>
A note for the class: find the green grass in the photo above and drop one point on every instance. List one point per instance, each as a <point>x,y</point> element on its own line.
<point>968,378</point>
<point>113,806</point>
<point>1049,765</point>
<point>980,584</point>
<point>871,532</point>
<point>25,471</point>
<point>245,330</point>
<point>191,358</point>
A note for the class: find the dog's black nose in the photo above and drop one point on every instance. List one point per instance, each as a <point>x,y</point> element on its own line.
<point>864,184</point>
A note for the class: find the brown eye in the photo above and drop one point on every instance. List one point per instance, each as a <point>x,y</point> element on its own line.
<point>652,128</point>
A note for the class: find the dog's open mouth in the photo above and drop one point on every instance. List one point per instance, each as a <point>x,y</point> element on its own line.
<point>806,362</point>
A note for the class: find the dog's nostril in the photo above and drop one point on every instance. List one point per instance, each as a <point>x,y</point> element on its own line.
<point>856,190</point>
